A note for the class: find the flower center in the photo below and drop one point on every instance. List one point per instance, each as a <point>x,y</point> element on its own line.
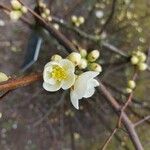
<point>58,73</point>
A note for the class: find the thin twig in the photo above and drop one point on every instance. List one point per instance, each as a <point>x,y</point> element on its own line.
<point>142,121</point>
<point>127,123</point>
<point>110,16</point>
<point>51,110</point>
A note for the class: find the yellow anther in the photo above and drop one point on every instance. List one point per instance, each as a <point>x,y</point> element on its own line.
<point>58,73</point>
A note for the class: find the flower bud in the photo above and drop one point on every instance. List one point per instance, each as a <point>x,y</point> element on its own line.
<point>142,57</point>
<point>77,24</point>
<point>56,57</point>
<point>75,58</point>
<point>142,66</point>
<point>42,5</point>
<point>16,4</point>
<point>43,15</point>
<point>24,9</point>
<point>81,20</point>
<point>134,60</point>
<point>47,11</point>
<point>95,67</point>
<point>56,26</point>
<point>15,15</point>
<point>83,64</point>
<point>49,18</point>
<point>131,84</point>
<point>128,90</point>
<point>74,19</point>
<point>3,77</point>
<point>83,52</point>
<point>93,55</point>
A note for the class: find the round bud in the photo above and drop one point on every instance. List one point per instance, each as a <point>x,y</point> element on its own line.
<point>81,20</point>
<point>95,67</point>
<point>42,5</point>
<point>83,52</point>
<point>93,55</point>
<point>3,77</point>
<point>56,26</point>
<point>15,15</point>
<point>47,11</point>
<point>74,19</point>
<point>49,18</point>
<point>142,66</point>
<point>16,4</point>
<point>134,60</point>
<point>131,84</point>
<point>56,57</point>
<point>43,15</point>
<point>83,64</point>
<point>128,90</point>
<point>77,24</point>
<point>75,58</point>
<point>142,57</point>
<point>24,9</point>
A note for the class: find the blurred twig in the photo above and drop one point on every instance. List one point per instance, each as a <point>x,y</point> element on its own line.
<point>110,16</point>
<point>118,125</point>
<point>142,121</point>
<point>52,109</point>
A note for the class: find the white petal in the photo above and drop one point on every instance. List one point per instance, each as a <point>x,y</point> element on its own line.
<point>52,88</point>
<point>89,92</point>
<point>51,63</point>
<point>47,71</point>
<point>91,88</point>
<point>80,86</point>
<point>67,65</point>
<point>69,81</point>
<point>74,100</point>
<point>94,83</point>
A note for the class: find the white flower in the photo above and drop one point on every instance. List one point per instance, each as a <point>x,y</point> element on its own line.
<point>84,87</point>
<point>58,74</point>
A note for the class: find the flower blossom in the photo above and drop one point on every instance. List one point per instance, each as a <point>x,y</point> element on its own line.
<point>83,87</point>
<point>58,74</point>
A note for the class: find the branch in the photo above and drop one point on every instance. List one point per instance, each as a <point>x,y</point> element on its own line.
<point>20,82</point>
<point>126,121</point>
<point>8,10</point>
<point>49,27</point>
<point>110,16</point>
<point>142,121</point>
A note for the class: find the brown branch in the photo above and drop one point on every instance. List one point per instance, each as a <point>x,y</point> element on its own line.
<point>120,117</point>
<point>56,34</point>
<point>110,16</point>
<point>126,121</point>
<point>20,82</point>
<point>8,10</point>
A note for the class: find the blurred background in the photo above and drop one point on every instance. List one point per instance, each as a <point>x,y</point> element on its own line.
<point>33,119</point>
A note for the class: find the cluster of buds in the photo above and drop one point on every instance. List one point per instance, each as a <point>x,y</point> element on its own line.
<point>84,60</point>
<point>130,86</point>
<point>45,12</point>
<point>76,72</point>
<point>139,59</point>
<point>92,57</point>
<point>17,10</point>
<point>77,21</point>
